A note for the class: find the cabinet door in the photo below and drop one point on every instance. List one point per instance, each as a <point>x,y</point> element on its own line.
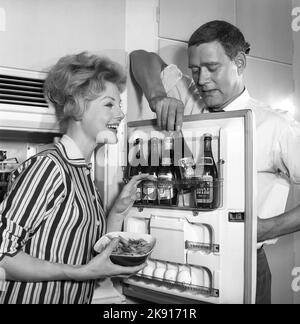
<point>270,82</point>
<point>39,32</point>
<point>266,24</point>
<point>179,19</point>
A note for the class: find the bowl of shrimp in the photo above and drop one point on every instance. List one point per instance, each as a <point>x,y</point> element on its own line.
<point>133,248</point>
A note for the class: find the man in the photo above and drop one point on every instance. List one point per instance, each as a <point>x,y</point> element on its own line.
<point>217,58</point>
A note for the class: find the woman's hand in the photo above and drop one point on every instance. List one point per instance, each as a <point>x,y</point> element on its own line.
<point>102,267</point>
<point>124,202</point>
<point>129,193</point>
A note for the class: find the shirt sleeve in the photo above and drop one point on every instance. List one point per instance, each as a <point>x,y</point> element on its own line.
<point>36,188</point>
<point>182,87</point>
<point>288,151</point>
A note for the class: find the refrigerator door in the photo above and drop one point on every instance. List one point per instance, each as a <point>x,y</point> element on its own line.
<point>203,255</point>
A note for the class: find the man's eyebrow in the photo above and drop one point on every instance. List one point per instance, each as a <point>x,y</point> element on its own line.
<point>203,64</point>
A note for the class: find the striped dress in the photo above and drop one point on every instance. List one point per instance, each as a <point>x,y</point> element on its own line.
<point>52,212</point>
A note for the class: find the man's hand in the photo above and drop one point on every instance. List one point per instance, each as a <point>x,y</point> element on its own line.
<point>169,112</point>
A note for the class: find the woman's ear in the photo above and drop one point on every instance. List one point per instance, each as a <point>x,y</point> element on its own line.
<point>241,62</point>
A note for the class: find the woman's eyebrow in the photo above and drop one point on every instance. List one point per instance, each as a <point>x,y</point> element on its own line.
<point>109,97</point>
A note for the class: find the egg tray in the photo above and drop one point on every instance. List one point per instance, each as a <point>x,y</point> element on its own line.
<point>169,284</point>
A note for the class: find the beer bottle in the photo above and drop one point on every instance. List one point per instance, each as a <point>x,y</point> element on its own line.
<point>150,187</point>
<point>206,187</point>
<point>166,186</point>
<point>185,162</point>
<point>137,166</point>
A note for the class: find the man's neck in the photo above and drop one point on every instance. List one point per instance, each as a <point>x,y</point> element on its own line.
<point>222,107</point>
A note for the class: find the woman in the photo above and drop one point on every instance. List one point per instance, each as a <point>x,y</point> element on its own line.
<point>53,214</point>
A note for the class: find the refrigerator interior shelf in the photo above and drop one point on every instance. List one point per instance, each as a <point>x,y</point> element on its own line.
<point>197,246</point>
<point>170,284</point>
<point>194,210</point>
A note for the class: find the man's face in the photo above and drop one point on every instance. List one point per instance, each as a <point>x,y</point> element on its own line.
<point>215,74</point>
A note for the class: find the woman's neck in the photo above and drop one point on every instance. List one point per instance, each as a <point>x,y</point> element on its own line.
<point>85,144</point>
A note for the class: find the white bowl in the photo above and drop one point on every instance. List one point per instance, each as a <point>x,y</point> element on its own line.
<point>126,259</point>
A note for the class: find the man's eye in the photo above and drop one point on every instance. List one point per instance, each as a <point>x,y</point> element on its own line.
<point>110,105</point>
<point>213,68</point>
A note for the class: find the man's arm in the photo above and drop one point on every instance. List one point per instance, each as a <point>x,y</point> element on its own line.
<point>146,68</point>
<point>286,223</point>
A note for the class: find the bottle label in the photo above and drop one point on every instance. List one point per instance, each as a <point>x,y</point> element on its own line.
<point>138,194</point>
<point>168,144</point>
<point>149,191</point>
<point>166,161</point>
<point>165,191</point>
<point>205,190</point>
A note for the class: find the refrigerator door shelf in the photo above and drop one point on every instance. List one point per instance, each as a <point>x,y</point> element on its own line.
<point>209,261</point>
<point>191,282</point>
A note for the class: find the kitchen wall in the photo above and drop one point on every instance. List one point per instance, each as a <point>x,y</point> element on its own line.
<point>266,25</point>
<point>38,32</point>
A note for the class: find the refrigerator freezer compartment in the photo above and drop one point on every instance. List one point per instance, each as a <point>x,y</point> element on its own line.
<point>137,225</point>
<point>169,234</point>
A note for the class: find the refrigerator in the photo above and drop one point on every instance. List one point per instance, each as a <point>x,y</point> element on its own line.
<point>202,256</point>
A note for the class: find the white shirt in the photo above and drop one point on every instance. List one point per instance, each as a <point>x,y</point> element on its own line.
<point>277,147</point>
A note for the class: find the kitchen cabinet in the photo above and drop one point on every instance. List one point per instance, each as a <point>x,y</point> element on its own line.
<point>38,33</point>
<point>178,19</point>
<point>267,26</point>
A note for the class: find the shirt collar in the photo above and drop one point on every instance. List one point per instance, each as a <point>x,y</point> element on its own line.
<point>71,152</point>
<point>240,102</point>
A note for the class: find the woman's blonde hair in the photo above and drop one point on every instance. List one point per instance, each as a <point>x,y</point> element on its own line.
<point>75,80</point>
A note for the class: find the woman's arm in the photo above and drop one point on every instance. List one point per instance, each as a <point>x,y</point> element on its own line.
<point>23,267</point>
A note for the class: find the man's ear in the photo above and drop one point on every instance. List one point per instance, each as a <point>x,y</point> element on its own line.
<point>241,62</point>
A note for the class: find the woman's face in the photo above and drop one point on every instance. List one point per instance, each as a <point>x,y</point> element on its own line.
<point>101,120</point>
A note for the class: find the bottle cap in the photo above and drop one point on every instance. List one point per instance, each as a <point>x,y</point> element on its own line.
<point>168,139</point>
<point>207,135</point>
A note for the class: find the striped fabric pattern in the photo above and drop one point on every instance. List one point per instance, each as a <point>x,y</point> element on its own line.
<point>53,212</point>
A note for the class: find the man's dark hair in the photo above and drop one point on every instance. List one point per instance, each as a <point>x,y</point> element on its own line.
<point>229,36</point>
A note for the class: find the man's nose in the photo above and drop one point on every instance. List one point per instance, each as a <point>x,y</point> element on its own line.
<point>203,77</point>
